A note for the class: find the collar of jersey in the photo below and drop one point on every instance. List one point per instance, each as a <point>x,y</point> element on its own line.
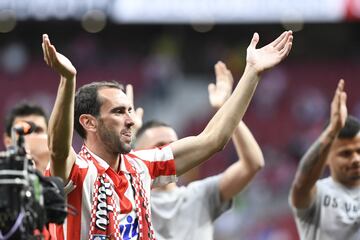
<point>125,165</point>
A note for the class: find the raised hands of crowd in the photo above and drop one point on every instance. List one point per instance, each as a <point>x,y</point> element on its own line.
<point>221,91</point>
<point>338,108</point>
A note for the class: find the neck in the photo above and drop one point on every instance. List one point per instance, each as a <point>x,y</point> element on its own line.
<point>166,188</point>
<point>354,183</point>
<point>111,158</point>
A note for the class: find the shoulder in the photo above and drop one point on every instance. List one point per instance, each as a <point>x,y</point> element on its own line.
<point>322,187</point>
<point>153,154</point>
<point>160,195</point>
<point>206,184</point>
<point>207,181</point>
<point>325,183</point>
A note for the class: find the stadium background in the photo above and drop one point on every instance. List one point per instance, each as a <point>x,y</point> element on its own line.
<point>167,51</point>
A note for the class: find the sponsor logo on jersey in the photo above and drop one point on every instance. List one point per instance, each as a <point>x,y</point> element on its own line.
<point>130,229</point>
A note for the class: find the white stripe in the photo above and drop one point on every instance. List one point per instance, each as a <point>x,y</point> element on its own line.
<point>65,226</point>
<point>145,178</point>
<point>101,162</point>
<point>81,163</point>
<point>155,155</point>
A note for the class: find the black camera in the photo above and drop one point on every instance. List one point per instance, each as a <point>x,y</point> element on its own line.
<point>28,200</point>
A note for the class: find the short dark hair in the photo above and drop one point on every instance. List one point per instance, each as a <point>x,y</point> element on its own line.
<point>87,102</point>
<point>150,124</point>
<point>351,128</point>
<point>22,110</point>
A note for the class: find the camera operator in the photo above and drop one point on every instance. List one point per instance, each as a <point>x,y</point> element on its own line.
<point>36,142</point>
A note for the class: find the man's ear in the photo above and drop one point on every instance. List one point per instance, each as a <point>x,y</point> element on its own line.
<point>88,122</point>
<point>7,140</point>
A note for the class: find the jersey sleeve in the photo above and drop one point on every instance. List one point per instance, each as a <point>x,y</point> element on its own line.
<point>76,177</point>
<point>160,164</point>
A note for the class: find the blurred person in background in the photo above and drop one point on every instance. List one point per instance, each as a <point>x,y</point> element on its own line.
<point>35,142</point>
<point>107,182</point>
<point>329,208</point>
<point>189,212</point>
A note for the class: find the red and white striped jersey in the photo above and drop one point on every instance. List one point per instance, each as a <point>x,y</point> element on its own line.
<point>105,199</point>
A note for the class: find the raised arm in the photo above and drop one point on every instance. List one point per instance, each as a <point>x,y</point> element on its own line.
<point>251,159</point>
<point>312,164</point>
<point>62,117</point>
<point>191,151</point>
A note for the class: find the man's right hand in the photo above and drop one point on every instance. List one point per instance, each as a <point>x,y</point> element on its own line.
<point>338,109</point>
<point>57,61</point>
<point>270,55</point>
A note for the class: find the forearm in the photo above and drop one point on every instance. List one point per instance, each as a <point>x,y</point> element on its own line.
<point>234,180</point>
<point>251,160</point>
<point>192,151</point>
<point>247,148</point>
<point>313,163</point>
<point>62,120</point>
<point>226,119</point>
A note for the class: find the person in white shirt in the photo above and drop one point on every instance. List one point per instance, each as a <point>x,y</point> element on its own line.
<point>189,212</point>
<point>327,209</point>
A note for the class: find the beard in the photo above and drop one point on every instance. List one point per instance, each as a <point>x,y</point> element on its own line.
<point>355,177</point>
<point>111,139</point>
<point>355,172</point>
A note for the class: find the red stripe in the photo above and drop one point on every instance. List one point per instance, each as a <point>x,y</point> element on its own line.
<point>121,184</point>
<point>52,230</point>
<point>56,231</point>
<point>161,168</point>
<point>150,153</point>
<point>59,232</point>
<point>156,168</point>
<point>74,198</point>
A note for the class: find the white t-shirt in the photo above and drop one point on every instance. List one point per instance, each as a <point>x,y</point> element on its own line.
<point>335,213</point>
<point>188,212</point>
